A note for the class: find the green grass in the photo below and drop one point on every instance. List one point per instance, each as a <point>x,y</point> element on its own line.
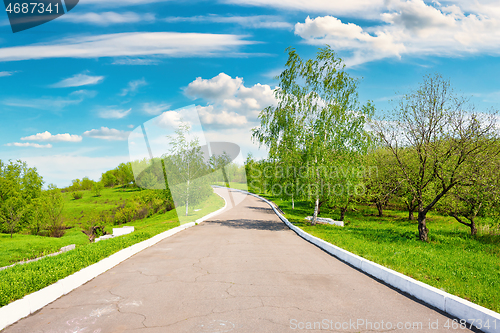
<point>24,246</point>
<point>238,186</point>
<point>213,203</point>
<point>453,261</point>
<point>21,280</point>
<point>75,211</point>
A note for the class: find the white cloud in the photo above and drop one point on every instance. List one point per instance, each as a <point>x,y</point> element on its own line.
<point>84,93</point>
<point>28,144</point>
<point>225,118</point>
<point>79,80</point>
<point>155,109</point>
<point>132,44</point>
<point>109,18</point>
<point>169,119</point>
<point>109,134</point>
<point>255,21</point>
<point>45,103</point>
<point>2,74</point>
<point>120,3</point>
<point>113,113</point>
<point>411,28</point>
<point>47,137</point>
<point>230,103</point>
<point>136,61</point>
<point>219,87</point>
<point>133,86</point>
<point>358,8</point>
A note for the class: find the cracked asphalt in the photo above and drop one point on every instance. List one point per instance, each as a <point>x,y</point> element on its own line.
<point>241,271</point>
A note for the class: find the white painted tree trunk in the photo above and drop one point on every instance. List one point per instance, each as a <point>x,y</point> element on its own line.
<point>316,208</point>
<point>187,198</point>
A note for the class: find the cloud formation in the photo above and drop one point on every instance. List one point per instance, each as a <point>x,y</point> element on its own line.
<point>411,28</point>
<point>109,18</point>
<point>230,103</point>
<point>254,21</point>
<point>28,144</point>
<point>105,133</point>
<point>155,109</point>
<point>4,73</point>
<point>131,44</point>
<point>78,80</point>
<point>114,113</point>
<point>133,86</point>
<point>47,137</point>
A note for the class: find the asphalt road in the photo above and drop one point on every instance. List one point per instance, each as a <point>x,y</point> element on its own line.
<point>241,271</point>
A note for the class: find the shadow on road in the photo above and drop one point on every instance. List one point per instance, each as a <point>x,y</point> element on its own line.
<point>250,224</point>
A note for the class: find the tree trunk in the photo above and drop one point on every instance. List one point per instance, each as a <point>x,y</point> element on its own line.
<point>411,208</point>
<point>316,209</point>
<point>473,229</point>
<point>343,210</point>
<point>379,208</point>
<point>293,203</point>
<point>422,228</point>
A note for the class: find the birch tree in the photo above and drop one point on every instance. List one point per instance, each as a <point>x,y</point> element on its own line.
<point>318,113</point>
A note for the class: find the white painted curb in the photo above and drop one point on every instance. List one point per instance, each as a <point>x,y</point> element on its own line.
<point>11,313</point>
<point>451,304</point>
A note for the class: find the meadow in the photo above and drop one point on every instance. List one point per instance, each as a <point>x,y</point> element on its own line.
<point>20,280</point>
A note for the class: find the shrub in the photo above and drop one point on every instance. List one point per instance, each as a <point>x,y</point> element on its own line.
<point>77,195</point>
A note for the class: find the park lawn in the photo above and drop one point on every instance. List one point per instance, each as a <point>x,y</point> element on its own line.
<point>212,204</point>
<point>75,211</point>
<point>23,246</point>
<point>21,280</point>
<point>452,260</point>
<point>238,186</point>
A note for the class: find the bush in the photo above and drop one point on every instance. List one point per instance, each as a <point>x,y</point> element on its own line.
<point>77,195</point>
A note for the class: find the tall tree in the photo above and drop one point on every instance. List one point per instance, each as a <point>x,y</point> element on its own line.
<point>318,114</point>
<point>185,167</point>
<point>434,134</point>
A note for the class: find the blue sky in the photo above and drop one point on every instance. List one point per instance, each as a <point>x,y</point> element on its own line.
<point>73,89</point>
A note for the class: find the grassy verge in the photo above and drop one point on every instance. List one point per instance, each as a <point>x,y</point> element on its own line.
<point>23,246</point>
<point>238,186</point>
<point>212,204</point>
<point>21,280</point>
<point>453,261</point>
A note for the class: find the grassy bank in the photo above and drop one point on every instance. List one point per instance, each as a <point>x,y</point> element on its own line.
<point>20,280</point>
<point>453,261</point>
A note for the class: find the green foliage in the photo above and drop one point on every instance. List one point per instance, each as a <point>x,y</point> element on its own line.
<point>435,136</point>
<point>121,175</point>
<point>19,187</point>
<point>97,188</point>
<point>318,125</point>
<point>77,195</point>
<point>186,169</point>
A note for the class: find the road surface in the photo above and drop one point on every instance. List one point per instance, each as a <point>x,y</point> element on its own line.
<point>241,271</point>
